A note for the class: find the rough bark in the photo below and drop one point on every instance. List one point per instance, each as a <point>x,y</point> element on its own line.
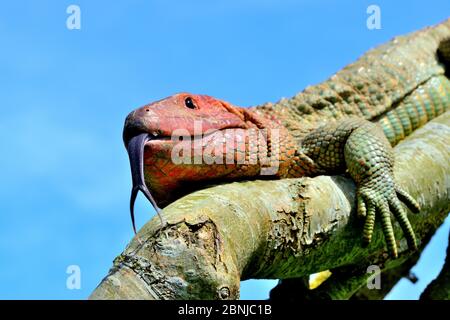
<point>277,229</point>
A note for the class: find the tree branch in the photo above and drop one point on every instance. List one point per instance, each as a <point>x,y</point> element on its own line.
<point>276,229</point>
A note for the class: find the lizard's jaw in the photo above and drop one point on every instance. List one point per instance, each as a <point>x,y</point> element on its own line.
<point>170,167</point>
<point>165,168</point>
<point>174,167</point>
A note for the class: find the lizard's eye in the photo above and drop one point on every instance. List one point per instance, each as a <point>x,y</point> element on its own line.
<point>190,103</point>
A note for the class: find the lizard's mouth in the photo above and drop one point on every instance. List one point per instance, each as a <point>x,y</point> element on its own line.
<point>136,152</point>
<point>170,162</point>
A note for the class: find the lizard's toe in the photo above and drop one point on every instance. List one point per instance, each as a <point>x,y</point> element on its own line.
<point>388,231</point>
<point>369,224</point>
<point>361,207</point>
<point>402,218</point>
<point>409,201</point>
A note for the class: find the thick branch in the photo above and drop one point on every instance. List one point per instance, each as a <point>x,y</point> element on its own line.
<point>275,229</point>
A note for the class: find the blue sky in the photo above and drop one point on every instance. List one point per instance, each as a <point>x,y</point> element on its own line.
<point>65,93</point>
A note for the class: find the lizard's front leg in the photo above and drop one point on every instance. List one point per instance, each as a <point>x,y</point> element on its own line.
<point>361,147</point>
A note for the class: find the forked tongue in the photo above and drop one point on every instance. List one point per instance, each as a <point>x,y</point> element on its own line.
<point>135,150</point>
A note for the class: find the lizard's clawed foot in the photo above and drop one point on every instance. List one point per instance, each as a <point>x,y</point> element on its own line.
<point>376,198</point>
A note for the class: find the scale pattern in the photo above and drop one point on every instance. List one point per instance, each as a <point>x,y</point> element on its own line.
<point>352,120</point>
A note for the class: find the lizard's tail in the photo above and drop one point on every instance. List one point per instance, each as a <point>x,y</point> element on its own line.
<point>429,100</point>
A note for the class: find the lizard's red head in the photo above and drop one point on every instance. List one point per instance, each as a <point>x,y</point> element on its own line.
<point>182,111</point>
<point>167,139</point>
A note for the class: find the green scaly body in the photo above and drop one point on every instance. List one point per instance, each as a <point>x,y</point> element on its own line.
<point>399,86</point>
